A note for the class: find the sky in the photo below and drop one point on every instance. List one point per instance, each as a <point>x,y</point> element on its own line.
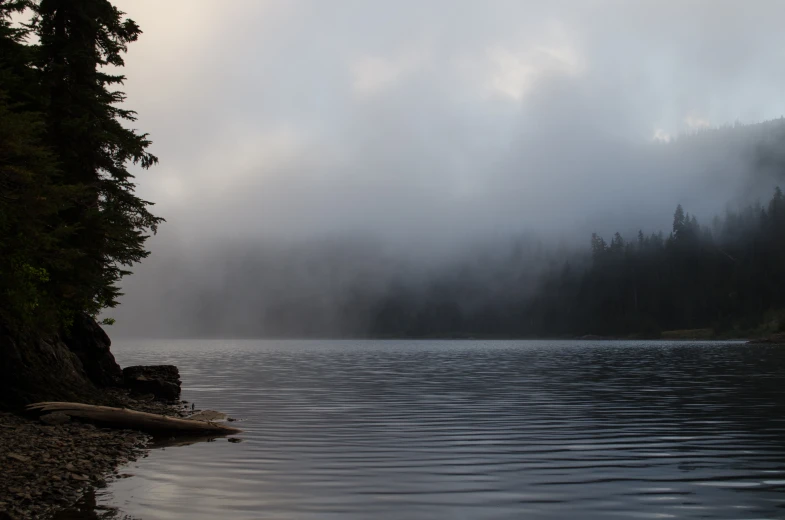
<point>430,123</point>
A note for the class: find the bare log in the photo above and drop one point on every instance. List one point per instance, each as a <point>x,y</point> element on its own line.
<point>133,420</point>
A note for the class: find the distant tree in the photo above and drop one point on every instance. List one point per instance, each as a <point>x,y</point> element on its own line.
<point>679,221</point>
<point>598,246</point>
<point>776,209</point>
<point>617,243</point>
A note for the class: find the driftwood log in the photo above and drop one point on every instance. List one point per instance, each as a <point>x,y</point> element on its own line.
<point>133,420</point>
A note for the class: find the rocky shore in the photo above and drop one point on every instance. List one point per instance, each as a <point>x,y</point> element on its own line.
<point>48,463</point>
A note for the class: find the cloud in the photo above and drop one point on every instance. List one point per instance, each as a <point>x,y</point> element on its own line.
<point>371,74</point>
<point>426,124</point>
<point>662,136</point>
<point>515,74</point>
<point>695,122</point>
<point>394,120</point>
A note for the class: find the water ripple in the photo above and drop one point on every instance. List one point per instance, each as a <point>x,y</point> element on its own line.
<point>468,429</point>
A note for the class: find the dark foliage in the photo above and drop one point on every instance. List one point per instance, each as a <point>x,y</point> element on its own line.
<point>725,277</point>
<point>70,224</point>
<point>728,277</point>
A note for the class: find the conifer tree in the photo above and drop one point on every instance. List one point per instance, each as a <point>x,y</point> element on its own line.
<point>678,221</point>
<point>79,39</point>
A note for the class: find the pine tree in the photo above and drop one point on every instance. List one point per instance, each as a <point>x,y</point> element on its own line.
<point>679,221</point>
<point>78,38</point>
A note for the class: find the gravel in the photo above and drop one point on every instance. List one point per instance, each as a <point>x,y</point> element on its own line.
<point>48,463</point>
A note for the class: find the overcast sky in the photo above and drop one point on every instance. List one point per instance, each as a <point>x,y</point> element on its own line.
<point>311,118</point>
<point>431,122</point>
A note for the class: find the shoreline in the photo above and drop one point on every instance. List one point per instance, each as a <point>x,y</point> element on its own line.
<point>50,463</point>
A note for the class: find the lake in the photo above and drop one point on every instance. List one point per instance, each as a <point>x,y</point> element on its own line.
<point>469,429</point>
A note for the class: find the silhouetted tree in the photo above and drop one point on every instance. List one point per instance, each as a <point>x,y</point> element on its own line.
<point>78,38</point>
<point>70,223</point>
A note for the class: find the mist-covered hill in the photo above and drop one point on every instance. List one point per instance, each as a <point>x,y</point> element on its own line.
<point>531,277</point>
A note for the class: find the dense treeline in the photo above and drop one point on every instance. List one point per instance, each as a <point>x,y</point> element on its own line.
<point>728,277</point>
<point>70,223</point>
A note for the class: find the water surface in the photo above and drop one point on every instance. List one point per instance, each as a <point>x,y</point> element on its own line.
<point>469,430</point>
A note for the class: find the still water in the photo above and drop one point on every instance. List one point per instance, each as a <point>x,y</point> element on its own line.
<point>469,430</point>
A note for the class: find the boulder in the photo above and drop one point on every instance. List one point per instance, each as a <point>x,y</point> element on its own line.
<point>163,381</point>
<point>91,345</point>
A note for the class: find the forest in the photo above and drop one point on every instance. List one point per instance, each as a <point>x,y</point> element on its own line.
<point>725,278</point>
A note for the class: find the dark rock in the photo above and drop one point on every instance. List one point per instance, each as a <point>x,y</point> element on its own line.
<point>91,345</point>
<point>163,381</point>
<point>39,368</point>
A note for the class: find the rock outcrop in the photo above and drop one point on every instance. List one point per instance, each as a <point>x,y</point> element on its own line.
<point>34,368</point>
<point>91,345</point>
<point>70,366</point>
<point>74,366</point>
<point>162,381</point>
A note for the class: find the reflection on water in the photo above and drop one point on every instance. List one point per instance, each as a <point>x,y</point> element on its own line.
<point>469,429</point>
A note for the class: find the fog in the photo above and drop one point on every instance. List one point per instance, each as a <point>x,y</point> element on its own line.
<point>315,153</point>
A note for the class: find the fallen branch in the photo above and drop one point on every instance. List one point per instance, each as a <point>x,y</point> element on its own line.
<point>133,420</point>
